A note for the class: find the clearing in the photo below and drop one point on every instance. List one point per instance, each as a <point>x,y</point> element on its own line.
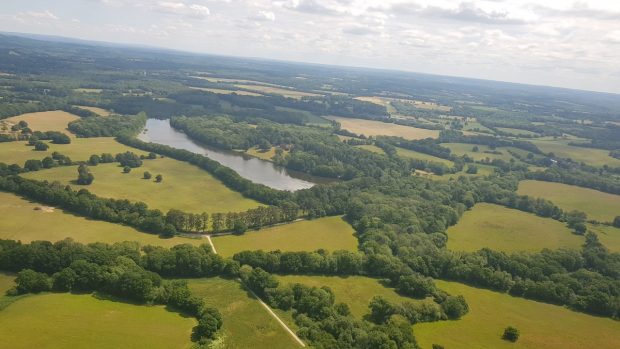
<point>542,326</point>
<point>607,235</point>
<point>46,121</point>
<point>508,230</point>
<point>378,128</point>
<point>331,233</point>
<point>483,152</point>
<point>406,153</point>
<point>96,110</point>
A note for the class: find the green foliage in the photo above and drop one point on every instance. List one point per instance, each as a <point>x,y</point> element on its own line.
<point>41,146</point>
<point>85,177</point>
<point>109,126</point>
<point>129,159</point>
<point>511,334</point>
<point>29,281</point>
<point>126,169</point>
<point>147,175</point>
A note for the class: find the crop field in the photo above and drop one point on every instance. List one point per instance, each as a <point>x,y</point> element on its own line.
<point>607,235</point>
<point>421,156</point>
<point>378,128</point>
<point>330,233</point>
<point>508,230</point>
<point>184,187</point>
<point>596,204</point>
<point>277,90</point>
<point>226,92</point>
<point>246,323</point>
<point>80,149</point>
<point>590,156</point>
<point>63,320</point>
<point>46,121</point>
<point>98,111</point>
<point>28,224</point>
<point>542,326</point>
<point>356,291</point>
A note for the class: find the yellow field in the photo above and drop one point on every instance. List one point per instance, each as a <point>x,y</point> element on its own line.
<point>596,204</point>
<point>98,111</point>
<point>421,156</point>
<point>331,233</point>
<point>504,229</point>
<point>27,224</point>
<point>226,92</point>
<point>6,282</point>
<point>542,326</point>
<point>371,148</point>
<point>607,235</point>
<point>277,90</point>
<point>46,121</point>
<point>185,187</point>
<point>378,128</point>
<point>261,154</point>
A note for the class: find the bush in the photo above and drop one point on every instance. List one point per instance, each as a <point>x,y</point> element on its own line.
<point>616,222</point>
<point>84,175</point>
<point>159,178</point>
<point>126,169</point>
<point>511,334</point>
<point>29,281</point>
<point>40,146</point>
<point>147,175</point>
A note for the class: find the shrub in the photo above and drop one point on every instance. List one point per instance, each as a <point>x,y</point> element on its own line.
<point>511,334</point>
<point>40,146</point>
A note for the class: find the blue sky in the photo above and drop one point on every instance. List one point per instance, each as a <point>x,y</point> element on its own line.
<point>557,43</point>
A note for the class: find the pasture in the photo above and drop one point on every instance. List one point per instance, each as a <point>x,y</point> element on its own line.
<point>378,128</point>
<point>483,152</point>
<point>517,132</point>
<point>607,235</point>
<point>542,326</point>
<point>96,110</point>
<point>27,224</point>
<point>64,320</point>
<point>590,156</point>
<point>46,121</point>
<point>406,153</point>
<point>277,90</point>
<point>246,323</point>
<point>331,233</point>
<point>226,92</point>
<point>596,204</point>
<point>262,154</point>
<point>509,230</point>
<point>184,187</point>
<point>6,282</point>
<point>371,148</point>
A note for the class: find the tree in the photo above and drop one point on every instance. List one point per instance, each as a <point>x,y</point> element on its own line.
<point>48,162</point>
<point>129,159</point>
<point>126,169</point>
<point>616,222</point>
<point>94,160</point>
<point>41,146</point>
<point>33,165</point>
<point>455,307</point>
<point>152,156</point>
<point>381,309</point>
<point>159,178</point>
<point>209,322</point>
<point>475,149</point>
<point>511,334</point>
<point>84,175</point>
<point>415,285</point>
<point>472,169</point>
<point>147,175</point>
<point>22,124</point>
<point>438,346</point>
<point>29,281</point>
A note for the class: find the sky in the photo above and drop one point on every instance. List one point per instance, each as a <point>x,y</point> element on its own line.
<point>564,43</point>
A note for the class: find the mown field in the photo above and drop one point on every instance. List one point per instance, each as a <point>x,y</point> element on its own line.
<point>226,92</point>
<point>27,224</point>
<point>596,204</point>
<point>509,230</point>
<point>64,320</point>
<point>6,282</point>
<point>542,326</point>
<point>46,121</point>
<point>246,323</point>
<point>185,187</point>
<point>371,148</point>
<point>330,233</point>
<point>378,128</point>
<point>421,156</point>
<point>590,156</point>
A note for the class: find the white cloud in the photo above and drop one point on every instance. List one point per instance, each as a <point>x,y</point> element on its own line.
<point>264,16</point>
<point>195,11</point>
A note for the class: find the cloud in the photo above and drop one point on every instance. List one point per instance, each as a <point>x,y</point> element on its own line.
<point>315,7</point>
<point>613,37</point>
<point>263,16</point>
<point>194,11</point>
<point>360,30</point>
<point>39,15</point>
<point>464,12</point>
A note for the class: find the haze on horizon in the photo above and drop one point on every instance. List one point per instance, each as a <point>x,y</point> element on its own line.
<point>572,44</point>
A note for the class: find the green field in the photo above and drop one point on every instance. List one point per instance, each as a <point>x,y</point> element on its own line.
<point>6,282</point>
<point>509,230</point>
<point>27,224</point>
<point>421,156</point>
<point>64,320</point>
<point>80,149</point>
<point>356,291</point>
<point>246,323</point>
<point>262,154</point>
<point>185,187</point>
<point>596,204</point>
<point>608,235</point>
<point>542,326</point>
<point>460,149</point>
<point>330,233</point>
<point>517,131</point>
<point>371,148</point>
<point>590,156</point>
<point>483,170</point>
<point>57,120</point>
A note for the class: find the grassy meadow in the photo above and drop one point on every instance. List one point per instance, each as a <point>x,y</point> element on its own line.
<point>246,323</point>
<point>406,153</point>
<point>596,204</point>
<point>542,326</point>
<point>226,92</point>
<point>96,110</point>
<point>6,282</point>
<point>262,154</point>
<point>460,149</point>
<point>371,148</point>
<point>28,224</point>
<point>277,90</point>
<point>378,128</point>
<point>185,187</point>
<point>590,156</point>
<point>46,121</point>
<point>331,233</point>
<point>508,230</point>
<point>64,320</point>
<point>517,131</point>
<point>607,235</point>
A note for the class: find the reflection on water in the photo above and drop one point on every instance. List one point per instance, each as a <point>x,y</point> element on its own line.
<point>254,169</point>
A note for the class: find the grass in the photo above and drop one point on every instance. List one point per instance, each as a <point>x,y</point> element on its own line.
<point>277,90</point>
<point>246,323</point>
<point>542,326</point>
<point>371,148</point>
<point>96,110</point>
<point>88,90</point>
<point>421,156</point>
<point>22,222</point>
<point>607,235</point>
<point>378,128</point>
<point>355,291</point>
<point>185,187</point>
<point>483,170</point>
<point>80,149</point>
<point>460,149</point>
<point>46,121</point>
<point>331,233</point>
<point>7,281</point>
<point>65,320</point>
<point>590,156</point>
<point>226,92</point>
<point>517,131</point>
<point>262,154</point>
<point>508,230</point>
<point>596,204</point>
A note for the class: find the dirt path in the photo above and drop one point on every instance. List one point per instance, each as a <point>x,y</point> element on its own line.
<point>211,243</point>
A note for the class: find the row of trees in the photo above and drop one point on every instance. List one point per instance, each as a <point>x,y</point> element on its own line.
<point>109,126</point>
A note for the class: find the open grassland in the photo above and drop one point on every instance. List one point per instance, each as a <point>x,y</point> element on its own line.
<point>378,128</point>
<point>406,153</point>
<point>80,149</point>
<point>596,204</point>
<point>608,235</point>
<point>6,282</point>
<point>64,320</point>
<point>96,110</point>
<point>277,90</point>
<point>185,187</point>
<point>542,326</point>
<point>262,154</point>
<point>355,291</point>
<point>246,323</point>
<point>88,90</point>
<point>46,121</point>
<point>483,170</point>
<point>21,221</point>
<point>590,156</point>
<point>226,92</point>
<point>371,148</point>
<point>460,149</point>
<point>508,230</point>
<point>330,233</point>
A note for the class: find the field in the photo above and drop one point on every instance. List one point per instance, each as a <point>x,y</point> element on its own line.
<point>331,233</point>
<point>460,149</point>
<point>246,323</point>
<point>356,291</point>
<point>46,121</point>
<point>98,111</point>
<point>509,230</point>
<point>88,90</point>
<point>590,156</point>
<point>596,204</point>
<point>277,90</point>
<point>185,187</point>
<point>6,282</point>
<point>27,224</point>
<point>371,148</point>
<point>261,154</point>
<point>226,92</point>
<point>483,170</point>
<point>517,131</point>
<point>608,235</point>
<point>421,156</point>
<point>542,326</point>
<point>378,128</point>
<point>66,320</point>
<point>80,149</point>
